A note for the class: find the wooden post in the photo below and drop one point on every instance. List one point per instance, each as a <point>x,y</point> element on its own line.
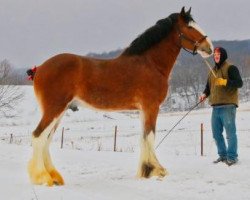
<point>11,138</point>
<point>201,139</point>
<point>115,139</point>
<point>62,138</point>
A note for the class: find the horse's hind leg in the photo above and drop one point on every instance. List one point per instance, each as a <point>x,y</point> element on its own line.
<point>38,168</point>
<point>149,164</point>
<point>55,175</point>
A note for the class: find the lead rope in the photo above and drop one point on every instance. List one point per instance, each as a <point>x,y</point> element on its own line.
<point>177,123</point>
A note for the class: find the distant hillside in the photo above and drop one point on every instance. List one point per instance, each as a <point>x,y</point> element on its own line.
<point>189,74</point>
<point>235,47</point>
<point>106,55</point>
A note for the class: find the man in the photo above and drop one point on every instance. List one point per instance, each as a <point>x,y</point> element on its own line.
<point>222,90</point>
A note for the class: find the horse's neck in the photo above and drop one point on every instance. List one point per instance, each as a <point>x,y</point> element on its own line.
<point>165,53</point>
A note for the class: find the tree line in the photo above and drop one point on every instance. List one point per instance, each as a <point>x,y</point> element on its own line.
<point>10,92</point>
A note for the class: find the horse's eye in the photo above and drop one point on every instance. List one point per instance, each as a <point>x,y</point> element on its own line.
<point>190,27</point>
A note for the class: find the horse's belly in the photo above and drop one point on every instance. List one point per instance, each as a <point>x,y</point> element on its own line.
<point>108,102</point>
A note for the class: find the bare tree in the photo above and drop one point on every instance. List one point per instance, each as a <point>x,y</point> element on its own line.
<point>10,95</point>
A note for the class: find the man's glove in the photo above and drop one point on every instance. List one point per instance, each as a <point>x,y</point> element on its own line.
<point>220,82</point>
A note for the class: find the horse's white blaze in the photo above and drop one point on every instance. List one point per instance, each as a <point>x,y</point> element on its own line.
<point>197,27</point>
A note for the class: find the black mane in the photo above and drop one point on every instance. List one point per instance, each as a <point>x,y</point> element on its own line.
<point>154,34</point>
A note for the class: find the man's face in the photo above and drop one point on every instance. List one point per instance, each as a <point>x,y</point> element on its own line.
<point>217,56</point>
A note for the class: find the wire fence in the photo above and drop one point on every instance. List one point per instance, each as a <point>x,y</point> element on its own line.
<point>182,141</point>
<point>116,139</point>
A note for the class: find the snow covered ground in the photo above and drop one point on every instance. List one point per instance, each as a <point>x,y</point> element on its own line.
<point>92,171</point>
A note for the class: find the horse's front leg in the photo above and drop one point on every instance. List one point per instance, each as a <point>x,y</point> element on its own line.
<point>149,165</point>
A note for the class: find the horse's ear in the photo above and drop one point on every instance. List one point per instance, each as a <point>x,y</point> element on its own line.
<point>183,11</point>
<point>189,11</point>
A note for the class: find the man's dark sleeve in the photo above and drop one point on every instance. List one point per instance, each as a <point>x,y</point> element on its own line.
<point>234,78</point>
<point>207,89</point>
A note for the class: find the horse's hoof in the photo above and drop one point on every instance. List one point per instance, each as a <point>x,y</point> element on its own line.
<point>160,172</point>
<point>56,177</point>
<point>148,170</point>
<point>39,177</point>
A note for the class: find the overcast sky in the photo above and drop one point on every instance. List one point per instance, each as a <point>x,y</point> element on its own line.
<point>31,31</point>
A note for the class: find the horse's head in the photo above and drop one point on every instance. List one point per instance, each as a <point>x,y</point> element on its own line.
<point>191,37</point>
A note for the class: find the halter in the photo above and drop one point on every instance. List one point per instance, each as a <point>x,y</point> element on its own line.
<point>196,44</point>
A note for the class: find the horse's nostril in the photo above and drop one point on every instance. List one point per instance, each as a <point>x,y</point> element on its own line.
<point>210,51</point>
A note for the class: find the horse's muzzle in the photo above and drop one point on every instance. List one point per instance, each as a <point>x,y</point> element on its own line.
<point>205,51</point>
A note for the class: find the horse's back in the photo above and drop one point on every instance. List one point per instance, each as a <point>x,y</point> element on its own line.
<point>67,76</point>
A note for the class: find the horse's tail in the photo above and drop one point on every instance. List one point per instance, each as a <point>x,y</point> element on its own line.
<point>31,73</point>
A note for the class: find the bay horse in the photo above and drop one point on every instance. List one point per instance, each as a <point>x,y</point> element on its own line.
<point>135,80</point>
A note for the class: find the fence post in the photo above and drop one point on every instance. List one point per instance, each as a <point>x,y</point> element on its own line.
<point>11,138</point>
<point>201,139</point>
<point>115,138</point>
<point>62,138</point>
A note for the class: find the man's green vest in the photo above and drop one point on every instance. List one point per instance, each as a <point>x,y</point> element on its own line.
<point>222,94</point>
